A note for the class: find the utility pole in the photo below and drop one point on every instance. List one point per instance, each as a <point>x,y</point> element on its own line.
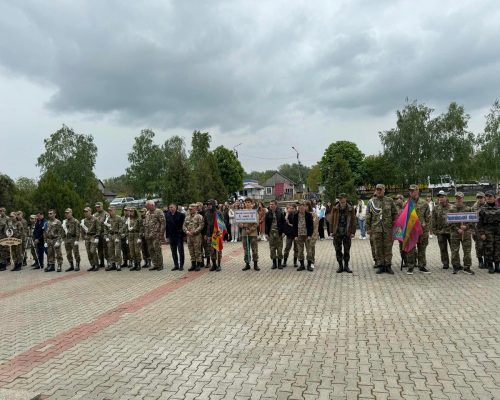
<point>300,166</point>
<point>236,151</point>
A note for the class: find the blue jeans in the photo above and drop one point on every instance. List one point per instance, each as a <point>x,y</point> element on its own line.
<point>361,223</point>
<point>177,249</point>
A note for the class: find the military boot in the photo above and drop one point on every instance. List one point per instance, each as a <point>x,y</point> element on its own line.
<point>92,268</point>
<point>388,269</point>
<point>302,267</point>
<point>25,262</point>
<point>117,266</point>
<point>381,269</point>
<point>481,262</point>
<point>50,268</point>
<point>310,266</point>
<point>247,267</point>
<point>71,267</point>
<point>284,262</point>
<point>275,265</point>
<point>340,269</point>
<point>125,264</point>
<point>497,267</point>
<point>77,268</point>
<point>255,266</point>
<point>17,266</point>
<point>295,262</point>
<point>214,266</point>
<point>193,266</point>
<point>199,266</point>
<point>207,265</point>
<point>491,267</point>
<point>3,267</point>
<point>218,266</point>
<point>59,267</point>
<point>279,264</point>
<point>346,267</point>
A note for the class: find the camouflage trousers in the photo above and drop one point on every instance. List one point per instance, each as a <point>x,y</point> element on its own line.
<point>289,243</point>
<point>340,241</point>
<point>302,243</point>
<point>114,248</point>
<point>72,250</point>
<point>134,247</point>
<point>479,245</point>
<point>275,245</point>
<point>466,241</point>
<point>492,245</point>
<point>91,248</point>
<point>54,251</point>
<point>416,256</point>
<point>215,255</point>
<point>372,248</point>
<point>195,244</point>
<point>102,250</point>
<point>154,247</point>
<point>444,240</point>
<point>206,246</point>
<point>4,253</point>
<point>381,243</point>
<point>250,244</point>
<point>17,255</point>
<point>311,254</point>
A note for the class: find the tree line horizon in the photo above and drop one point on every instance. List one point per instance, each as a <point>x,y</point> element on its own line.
<point>420,145</point>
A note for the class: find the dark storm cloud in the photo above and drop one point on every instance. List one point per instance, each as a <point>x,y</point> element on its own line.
<point>251,64</point>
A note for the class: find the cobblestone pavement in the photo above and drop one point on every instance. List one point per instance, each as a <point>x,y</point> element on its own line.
<point>250,335</point>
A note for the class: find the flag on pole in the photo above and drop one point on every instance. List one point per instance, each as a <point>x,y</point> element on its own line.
<point>407,228</point>
<point>218,232</point>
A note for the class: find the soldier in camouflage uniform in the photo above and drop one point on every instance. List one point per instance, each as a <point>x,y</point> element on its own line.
<point>479,244</point>
<point>24,237</point>
<point>134,228</point>
<point>274,229</point>
<point>18,232</point>
<point>102,249</point>
<point>4,250</point>
<point>154,232</point>
<point>489,231</point>
<point>302,231</point>
<point>461,233</point>
<point>53,241</point>
<point>114,227</point>
<point>124,240</point>
<point>193,227</point>
<point>90,231</point>
<point>145,251</point>
<point>71,236</point>
<point>249,239</point>
<point>424,215</point>
<point>441,228</point>
<point>380,217</point>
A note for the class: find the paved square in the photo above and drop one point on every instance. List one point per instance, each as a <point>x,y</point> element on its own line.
<point>250,335</point>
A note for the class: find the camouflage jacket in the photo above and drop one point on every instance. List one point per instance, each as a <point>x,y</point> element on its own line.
<point>4,222</point>
<point>489,219</point>
<point>115,225</point>
<point>381,214</point>
<point>424,214</point>
<point>54,230</point>
<point>154,224</point>
<point>71,229</point>
<point>133,225</point>
<point>92,225</point>
<point>17,228</point>
<point>193,223</point>
<point>439,215</point>
<point>455,227</point>
<point>25,227</point>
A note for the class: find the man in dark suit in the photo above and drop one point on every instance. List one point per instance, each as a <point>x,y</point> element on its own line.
<point>174,221</point>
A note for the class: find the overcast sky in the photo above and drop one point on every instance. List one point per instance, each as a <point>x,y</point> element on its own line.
<point>266,74</point>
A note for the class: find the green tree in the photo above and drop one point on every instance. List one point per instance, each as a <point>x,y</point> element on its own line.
<point>314,178</point>
<point>259,176</point>
<point>71,158</point>
<point>350,152</point>
<point>297,173</point>
<point>379,170</point>
<point>119,185</point>
<point>24,195</point>
<point>489,141</point>
<point>146,165</point>
<point>200,146</point>
<point>230,169</point>
<point>176,181</point>
<point>7,191</point>
<point>408,146</point>
<point>52,192</point>
<point>339,179</point>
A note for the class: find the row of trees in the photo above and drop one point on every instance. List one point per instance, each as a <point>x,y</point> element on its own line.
<point>420,147</point>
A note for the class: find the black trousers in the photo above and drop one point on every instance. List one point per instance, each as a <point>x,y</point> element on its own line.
<point>177,249</point>
<point>40,251</point>
<point>321,228</point>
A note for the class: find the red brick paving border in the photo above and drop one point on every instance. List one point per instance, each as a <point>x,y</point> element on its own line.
<point>42,352</point>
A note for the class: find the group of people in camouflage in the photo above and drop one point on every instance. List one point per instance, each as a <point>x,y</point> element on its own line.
<point>123,241</point>
<point>382,212</point>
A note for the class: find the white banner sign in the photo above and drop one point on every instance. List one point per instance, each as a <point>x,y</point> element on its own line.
<point>241,216</point>
<point>454,218</point>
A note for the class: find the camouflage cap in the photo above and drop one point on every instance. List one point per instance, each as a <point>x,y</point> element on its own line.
<point>193,205</point>
<point>68,210</point>
<point>479,194</point>
<point>441,193</point>
<point>459,194</point>
<point>98,204</point>
<point>380,186</point>
<point>19,213</point>
<point>489,193</point>
<point>413,187</point>
<point>87,209</point>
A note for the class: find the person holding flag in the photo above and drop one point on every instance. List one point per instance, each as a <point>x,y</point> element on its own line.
<point>217,239</point>
<point>412,228</point>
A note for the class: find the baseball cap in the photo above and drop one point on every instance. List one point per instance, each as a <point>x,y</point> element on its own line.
<point>479,194</point>
<point>87,209</point>
<point>98,204</point>
<point>413,187</point>
<point>441,193</point>
<point>490,193</point>
<point>380,186</point>
<point>68,210</point>
<point>459,194</point>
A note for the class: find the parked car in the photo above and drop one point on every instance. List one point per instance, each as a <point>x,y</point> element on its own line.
<point>121,201</point>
